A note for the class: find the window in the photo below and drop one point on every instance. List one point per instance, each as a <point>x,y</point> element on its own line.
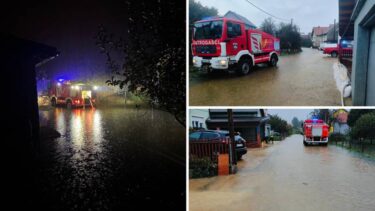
<point>233,30</point>
<point>208,30</point>
<point>194,136</point>
<point>210,136</point>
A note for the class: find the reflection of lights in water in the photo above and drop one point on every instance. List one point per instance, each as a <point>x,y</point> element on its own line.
<point>77,131</point>
<point>60,121</point>
<point>97,127</point>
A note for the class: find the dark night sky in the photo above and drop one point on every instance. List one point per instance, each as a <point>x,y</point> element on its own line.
<point>68,26</point>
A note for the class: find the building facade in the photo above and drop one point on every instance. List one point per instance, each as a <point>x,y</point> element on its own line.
<point>339,122</point>
<point>198,118</point>
<point>363,66</point>
<point>251,123</point>
<point>319,35</point>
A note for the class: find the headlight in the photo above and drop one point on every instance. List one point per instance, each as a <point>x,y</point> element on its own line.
<point>77,87</point>
<point>95,87</point>
<point>194,61</point>
<point>223,62</point>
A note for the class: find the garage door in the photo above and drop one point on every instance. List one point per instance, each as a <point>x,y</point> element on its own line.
<point>370,97</point>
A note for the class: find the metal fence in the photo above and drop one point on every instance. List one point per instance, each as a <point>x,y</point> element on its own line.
<point>366,146</point>
<point>209,148</point>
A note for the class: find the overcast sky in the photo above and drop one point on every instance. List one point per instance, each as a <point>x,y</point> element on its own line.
<point>305,13</point>
<point>288,114</point>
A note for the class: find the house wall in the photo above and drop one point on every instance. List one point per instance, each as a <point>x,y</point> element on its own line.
<point>363,66</point>
<point>198,117</point>
<point>341,128</point>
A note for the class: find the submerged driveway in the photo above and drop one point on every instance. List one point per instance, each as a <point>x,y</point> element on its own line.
<point>305,79</point>
<point>289,176</point>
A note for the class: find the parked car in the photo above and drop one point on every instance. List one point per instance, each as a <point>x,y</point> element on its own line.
<point>215,135</point>
<point>332,49</point>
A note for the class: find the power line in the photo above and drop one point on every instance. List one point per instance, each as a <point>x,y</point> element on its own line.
<point>266,11</point>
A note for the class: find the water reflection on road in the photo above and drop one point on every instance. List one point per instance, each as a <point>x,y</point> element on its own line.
<point>289,176</point>
<point>304,79</point>
<point>110,158</point>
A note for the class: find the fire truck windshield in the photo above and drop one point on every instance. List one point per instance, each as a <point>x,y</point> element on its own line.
<point>208,30</point>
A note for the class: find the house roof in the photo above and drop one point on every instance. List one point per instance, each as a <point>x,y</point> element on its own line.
<point>231,14</point>
<point>25,49</point>
<point>320,30</point>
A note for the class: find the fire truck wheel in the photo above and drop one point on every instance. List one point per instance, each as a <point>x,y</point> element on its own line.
<point>69,104</point>
<point>334,54</point>
<point>53,102</point>
<point>273,61</point>
<point>304,143</point>
<point>243,66</point>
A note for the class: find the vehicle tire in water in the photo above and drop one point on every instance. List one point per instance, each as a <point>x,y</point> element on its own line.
<point>273,61</point>
<point>334,54</point>
<point>304,143</point>
<point>244,67</point>
<point>69,105</point>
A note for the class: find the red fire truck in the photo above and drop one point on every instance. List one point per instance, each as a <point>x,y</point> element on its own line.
<point>224,43</point>
<point>72,94</point>
<point>315,131</point>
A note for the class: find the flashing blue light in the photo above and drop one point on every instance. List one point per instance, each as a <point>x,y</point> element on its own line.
<point>60,79</point>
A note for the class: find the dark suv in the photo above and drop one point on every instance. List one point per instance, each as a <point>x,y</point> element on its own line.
<point>212,135</point>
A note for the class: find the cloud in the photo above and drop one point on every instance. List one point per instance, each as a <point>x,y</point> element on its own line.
<point>305,13</point>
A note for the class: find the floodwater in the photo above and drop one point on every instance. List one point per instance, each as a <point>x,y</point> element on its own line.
<point>289,176</point>
<point>111,159</point>
<point>304,79</point>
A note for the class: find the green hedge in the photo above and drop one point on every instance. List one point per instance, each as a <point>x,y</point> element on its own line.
<point>202,167</point>
<point>336,137</point>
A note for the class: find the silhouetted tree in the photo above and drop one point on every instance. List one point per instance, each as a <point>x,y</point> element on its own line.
<point>279,125</point>
<point>364,126</point>
<point>269,26</point>
<point>290,37</point>
<point>150,58</point>
<point>355,114</point>
<point>296,123</point>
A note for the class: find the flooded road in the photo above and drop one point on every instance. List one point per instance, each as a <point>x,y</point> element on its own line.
<point>289,176</point>
<point>110,159</point>
<point>304,79</point>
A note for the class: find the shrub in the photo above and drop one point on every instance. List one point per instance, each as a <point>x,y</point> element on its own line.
<point>202,167</point>
<point>364,127</point>
<point>336,137</point>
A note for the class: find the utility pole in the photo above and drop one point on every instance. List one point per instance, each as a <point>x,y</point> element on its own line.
<point>291,22</point>
<point>232,158</point>
<point>334,31</point>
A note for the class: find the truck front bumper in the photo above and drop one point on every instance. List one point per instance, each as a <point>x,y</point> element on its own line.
<point>315,140</point>
<point>221,63</point>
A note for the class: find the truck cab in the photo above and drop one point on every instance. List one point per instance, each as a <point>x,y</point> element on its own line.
<point>224,43</point>
<point>315,131</point>
<point>72,94</point>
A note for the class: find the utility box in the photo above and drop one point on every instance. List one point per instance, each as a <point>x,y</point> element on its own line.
<point>223,164</point>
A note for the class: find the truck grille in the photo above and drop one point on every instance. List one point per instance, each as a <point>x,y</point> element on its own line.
<point>316,139</point>
<point>205,49</point>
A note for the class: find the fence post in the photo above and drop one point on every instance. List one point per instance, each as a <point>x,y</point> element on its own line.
<point>362,141</point>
